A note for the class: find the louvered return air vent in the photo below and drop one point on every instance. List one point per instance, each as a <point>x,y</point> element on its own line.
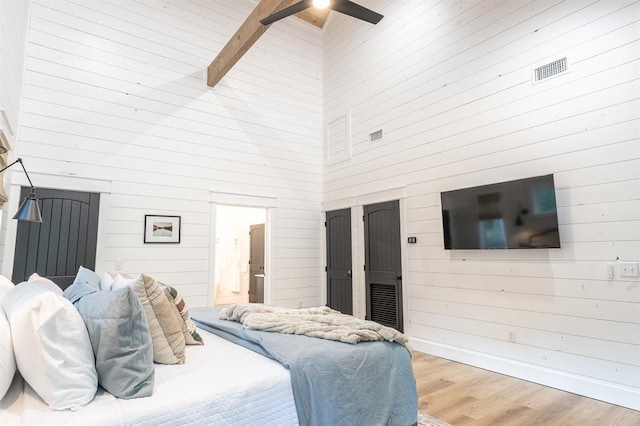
<point>550,70</point>
<point>384,305</point>
<point>376,136</point>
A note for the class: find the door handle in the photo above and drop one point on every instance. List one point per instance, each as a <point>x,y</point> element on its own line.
<point>348,274</point>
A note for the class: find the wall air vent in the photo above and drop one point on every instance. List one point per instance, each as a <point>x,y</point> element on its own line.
<point>551,69</point>
<point>375,136</point>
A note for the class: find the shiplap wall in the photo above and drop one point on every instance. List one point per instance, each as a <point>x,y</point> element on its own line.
<point>13,33</point>
<point>449,82</point>
<point>114,93</point>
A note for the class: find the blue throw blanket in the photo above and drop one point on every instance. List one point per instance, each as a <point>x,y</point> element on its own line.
<point>334,383</point>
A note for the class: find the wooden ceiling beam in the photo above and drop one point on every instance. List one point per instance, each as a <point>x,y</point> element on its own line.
<point>248,33</point>
<point>314,16</point>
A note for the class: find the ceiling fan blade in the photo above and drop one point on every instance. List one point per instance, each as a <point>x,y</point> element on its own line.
<point>287,11</point>
<point>352,9</point>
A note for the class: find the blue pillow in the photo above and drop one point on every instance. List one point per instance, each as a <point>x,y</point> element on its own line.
<point>88,277</point>
<point>120,338</point>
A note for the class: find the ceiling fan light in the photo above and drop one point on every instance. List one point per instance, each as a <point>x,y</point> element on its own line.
<point>321,4</point>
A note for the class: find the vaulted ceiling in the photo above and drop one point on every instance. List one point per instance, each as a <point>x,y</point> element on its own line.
<point>250,31</point>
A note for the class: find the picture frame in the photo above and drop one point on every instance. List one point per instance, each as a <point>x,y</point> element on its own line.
<point>161,229</point>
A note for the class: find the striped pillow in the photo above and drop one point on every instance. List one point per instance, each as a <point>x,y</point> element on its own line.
<point>166,331</point>
<point>191,336</point>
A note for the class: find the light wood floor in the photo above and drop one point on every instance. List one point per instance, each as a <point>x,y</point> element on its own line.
<point>463,395</point>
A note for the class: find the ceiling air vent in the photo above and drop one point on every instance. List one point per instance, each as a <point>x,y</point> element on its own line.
<point>550,70</point>
<point>375,136</point>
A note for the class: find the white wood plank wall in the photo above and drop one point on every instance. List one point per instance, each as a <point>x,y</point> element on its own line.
<point>13,33</point>
<point>114,92</point>
<point>449,82</point>
<point>14,16</point>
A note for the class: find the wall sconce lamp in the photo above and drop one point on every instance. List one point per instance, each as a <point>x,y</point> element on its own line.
<point>29,210</point>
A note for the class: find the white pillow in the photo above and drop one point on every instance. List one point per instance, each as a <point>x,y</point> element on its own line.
<point>47,282</point>
<point>7,359</point>
<point>120,281</point>
<point>5,286</point>
<point>106,282</point>
<point>51,345</point>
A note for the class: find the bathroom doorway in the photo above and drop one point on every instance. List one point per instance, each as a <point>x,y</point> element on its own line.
<point>233,272</point>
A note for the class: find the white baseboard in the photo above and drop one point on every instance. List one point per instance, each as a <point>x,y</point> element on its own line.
<point>613,393</point>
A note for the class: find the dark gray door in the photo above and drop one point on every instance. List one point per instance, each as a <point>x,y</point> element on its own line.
<point>383,265</point>
<point>256,263</point>
<point>339,284</point>
<point>65,240</point>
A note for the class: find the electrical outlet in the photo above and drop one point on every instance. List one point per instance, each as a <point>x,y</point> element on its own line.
<point>511,336</point>
<point>629,269</point>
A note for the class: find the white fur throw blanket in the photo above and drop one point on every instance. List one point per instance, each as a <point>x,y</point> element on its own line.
<point>322,322</point>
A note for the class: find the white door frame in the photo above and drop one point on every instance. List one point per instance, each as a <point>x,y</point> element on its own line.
<point>240,200</point>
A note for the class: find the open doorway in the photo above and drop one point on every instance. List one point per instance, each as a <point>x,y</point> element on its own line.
<point>233,271</point>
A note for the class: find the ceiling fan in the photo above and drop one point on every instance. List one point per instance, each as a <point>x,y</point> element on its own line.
<point>343,6</point>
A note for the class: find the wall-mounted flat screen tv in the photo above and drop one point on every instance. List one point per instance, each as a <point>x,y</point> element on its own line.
<point>519,214</point>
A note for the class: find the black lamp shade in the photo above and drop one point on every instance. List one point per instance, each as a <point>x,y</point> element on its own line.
<point>29,210</point>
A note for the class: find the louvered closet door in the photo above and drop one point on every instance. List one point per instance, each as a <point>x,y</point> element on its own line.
<point>383,265</point>
<point>65,240</point>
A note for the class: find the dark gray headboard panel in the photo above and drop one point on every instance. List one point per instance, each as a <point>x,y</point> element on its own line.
<point>65,240</point>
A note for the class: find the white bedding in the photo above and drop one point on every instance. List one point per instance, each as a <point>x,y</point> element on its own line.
<point>221,383</point>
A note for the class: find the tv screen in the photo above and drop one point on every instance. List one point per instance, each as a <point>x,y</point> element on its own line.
<point>518,214</point>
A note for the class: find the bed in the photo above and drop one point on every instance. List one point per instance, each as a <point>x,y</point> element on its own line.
<point>220,384</point>
<point>233,376</point>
